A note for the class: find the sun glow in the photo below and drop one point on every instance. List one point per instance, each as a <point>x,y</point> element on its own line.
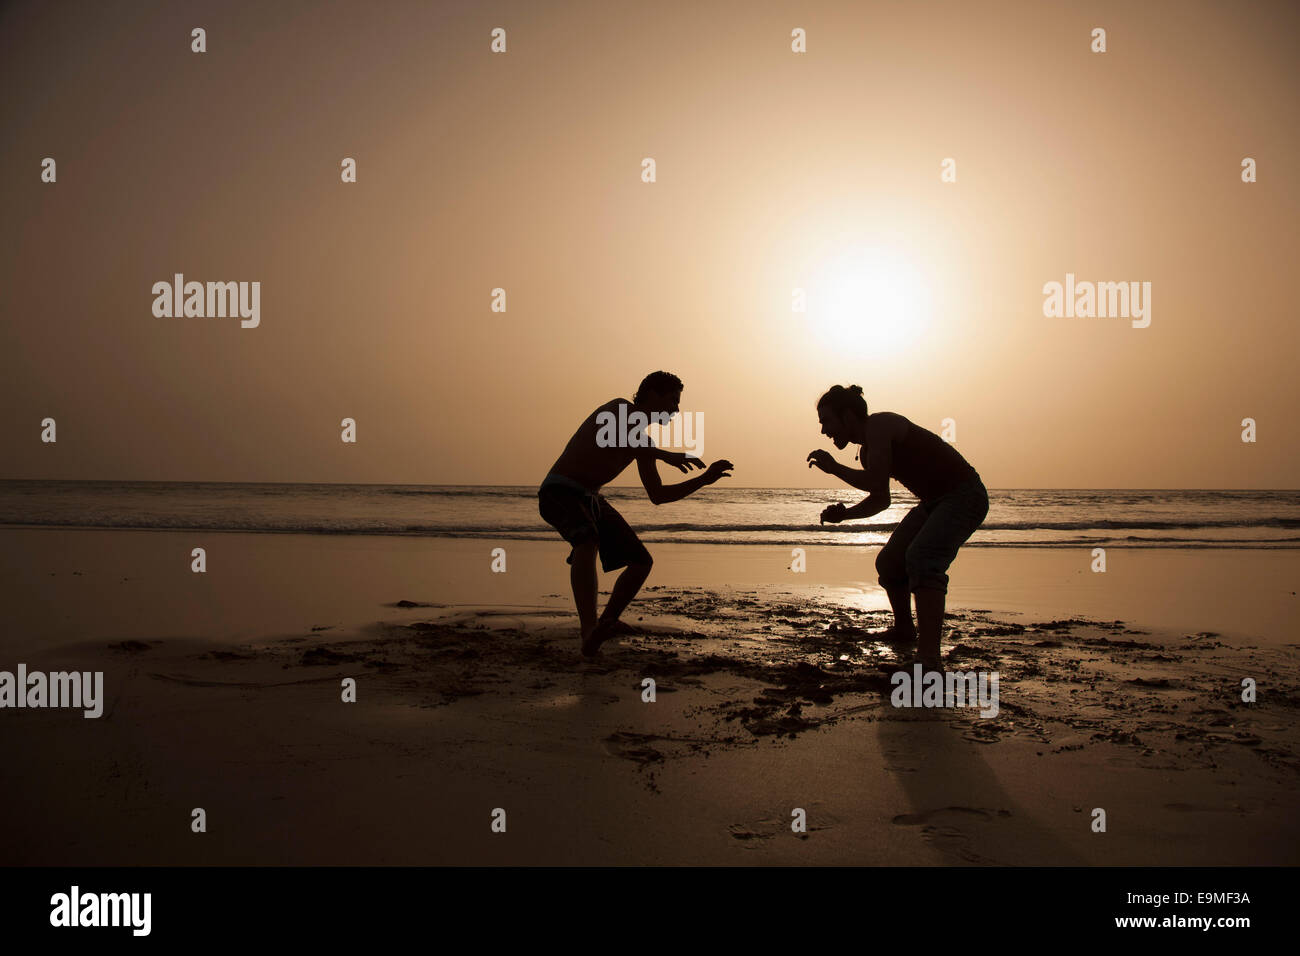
<point>868,301</point>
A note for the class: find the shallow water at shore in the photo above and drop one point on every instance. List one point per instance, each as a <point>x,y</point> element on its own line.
<point>63,585</point>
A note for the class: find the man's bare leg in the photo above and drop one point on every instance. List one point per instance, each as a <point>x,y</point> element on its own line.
<point>929,625</point>
<point>625,589</point>
<point>582,576</point>
<point>900,599</point>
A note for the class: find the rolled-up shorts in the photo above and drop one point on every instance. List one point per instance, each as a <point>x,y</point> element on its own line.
<point>581,516</point>
<point>925,542</point>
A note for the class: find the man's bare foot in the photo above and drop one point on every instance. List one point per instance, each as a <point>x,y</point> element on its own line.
<point>895,635</point>
<point>928,663</point>
<point>602,632</point>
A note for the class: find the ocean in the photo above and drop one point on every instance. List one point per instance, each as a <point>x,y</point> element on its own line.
<point>1022,518</point>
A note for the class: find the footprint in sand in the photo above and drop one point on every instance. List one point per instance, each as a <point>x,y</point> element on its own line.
<point>753,835</point>
<point>750,836</point>
<point>1191,808</point>
<point>634,747</point>
<point>943,830</point>
<point>902,760</point>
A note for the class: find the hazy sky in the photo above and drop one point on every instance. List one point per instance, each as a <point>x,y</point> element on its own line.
<point>775,171</point>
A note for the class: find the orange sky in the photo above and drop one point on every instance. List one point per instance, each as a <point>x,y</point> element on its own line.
<point>522,171</point>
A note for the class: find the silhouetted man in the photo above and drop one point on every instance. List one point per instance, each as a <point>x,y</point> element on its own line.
<point>953,503</point>
<point>569,498</point>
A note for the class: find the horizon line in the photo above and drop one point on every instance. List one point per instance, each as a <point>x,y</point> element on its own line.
<point>417,484</point>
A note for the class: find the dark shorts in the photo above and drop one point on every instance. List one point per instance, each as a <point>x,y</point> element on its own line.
<point>580,518</point>
<point>925,542</point>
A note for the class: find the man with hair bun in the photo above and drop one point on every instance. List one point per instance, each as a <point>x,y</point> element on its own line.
<point>953,502</point>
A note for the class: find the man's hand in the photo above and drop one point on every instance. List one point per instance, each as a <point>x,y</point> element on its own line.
<point>833,513</point>
<point>680,460</point>
<point>822,459</point>
<point>719,469</point>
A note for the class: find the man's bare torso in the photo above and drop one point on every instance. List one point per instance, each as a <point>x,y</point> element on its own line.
<point>585,461</point>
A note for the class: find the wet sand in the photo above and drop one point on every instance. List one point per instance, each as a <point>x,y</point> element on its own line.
<point>768,698</point>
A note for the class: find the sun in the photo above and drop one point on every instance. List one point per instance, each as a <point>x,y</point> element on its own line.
<point>869,300</point>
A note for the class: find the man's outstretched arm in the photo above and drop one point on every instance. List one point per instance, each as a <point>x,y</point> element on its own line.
<point>873,478</point>
<point>679,460</point>
<point>661,494</point>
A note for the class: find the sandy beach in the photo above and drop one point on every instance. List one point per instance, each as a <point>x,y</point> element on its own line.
<point>923,375</point>
<point>223,692</point>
